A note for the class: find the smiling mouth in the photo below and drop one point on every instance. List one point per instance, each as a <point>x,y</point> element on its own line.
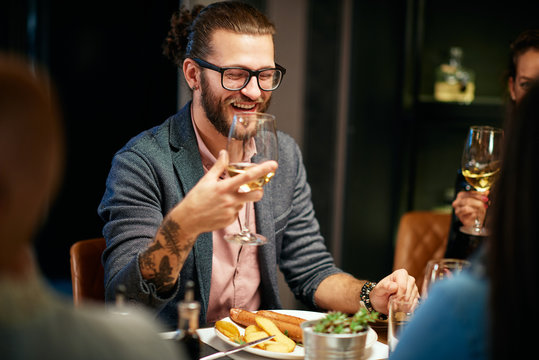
<point>244,106</point>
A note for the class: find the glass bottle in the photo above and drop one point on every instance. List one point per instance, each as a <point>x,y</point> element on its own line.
<point>188,313</point>
<point>120,304</point>
<point>454,83</point>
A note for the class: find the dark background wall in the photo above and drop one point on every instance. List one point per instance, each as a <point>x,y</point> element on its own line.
<point>105,59</point>
<point>374,136</point>
<point>114,83</point>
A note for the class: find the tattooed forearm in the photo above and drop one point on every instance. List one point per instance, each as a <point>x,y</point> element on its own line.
<point>146,259</point>
<point>169,230</point>
<point>163,280</point>
<point>162,261</point>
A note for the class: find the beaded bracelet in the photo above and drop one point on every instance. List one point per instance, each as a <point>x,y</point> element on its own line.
<point>366,298</point>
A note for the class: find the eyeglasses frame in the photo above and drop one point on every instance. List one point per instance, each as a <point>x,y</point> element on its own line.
<point>207,65</point>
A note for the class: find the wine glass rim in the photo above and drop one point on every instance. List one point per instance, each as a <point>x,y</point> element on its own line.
<point>254,113</point>
<point>444,261</point>
<point>486,128</point>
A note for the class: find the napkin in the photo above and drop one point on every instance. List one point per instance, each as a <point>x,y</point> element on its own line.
<point>207,335</point>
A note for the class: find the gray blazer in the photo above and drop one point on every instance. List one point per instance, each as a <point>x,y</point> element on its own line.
<point>155,170</point>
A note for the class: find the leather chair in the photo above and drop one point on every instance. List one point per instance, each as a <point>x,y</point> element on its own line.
<point>87,273</point>
<point>422,236</point>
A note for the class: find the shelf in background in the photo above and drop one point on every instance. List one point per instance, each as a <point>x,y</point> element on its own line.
<point>482,111</point>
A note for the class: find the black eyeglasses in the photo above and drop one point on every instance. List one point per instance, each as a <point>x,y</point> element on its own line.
<point>236,78</point>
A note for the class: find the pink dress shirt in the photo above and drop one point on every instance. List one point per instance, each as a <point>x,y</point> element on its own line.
<point>235,278</point>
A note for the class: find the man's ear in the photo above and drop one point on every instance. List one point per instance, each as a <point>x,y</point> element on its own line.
<point>191,73</point>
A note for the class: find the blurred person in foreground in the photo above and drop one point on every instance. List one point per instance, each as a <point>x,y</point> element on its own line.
<point>166,207</point>
<point>468,205</point>
<point>489,312</point>
<point>35,322</point>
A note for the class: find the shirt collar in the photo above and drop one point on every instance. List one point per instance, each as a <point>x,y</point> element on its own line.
<point>207,157</point>
<point>205,154</point>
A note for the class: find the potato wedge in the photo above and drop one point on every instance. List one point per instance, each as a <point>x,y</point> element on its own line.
<point>229,330</point>
<point>252,328</point>
<point>276,347</point>
<point>268,326</point>
<point>252,336</point>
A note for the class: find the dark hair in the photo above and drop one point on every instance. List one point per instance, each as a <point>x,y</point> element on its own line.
<point>526,40</point>
<point>513,247</point>
<point>190,31</point>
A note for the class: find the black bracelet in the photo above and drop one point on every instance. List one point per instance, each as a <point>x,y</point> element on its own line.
<point>366,298</point>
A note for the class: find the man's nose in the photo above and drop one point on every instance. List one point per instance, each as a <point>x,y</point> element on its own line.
<point>252,90</point>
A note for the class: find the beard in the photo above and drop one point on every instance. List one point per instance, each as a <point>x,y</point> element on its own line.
<point>216,108</point>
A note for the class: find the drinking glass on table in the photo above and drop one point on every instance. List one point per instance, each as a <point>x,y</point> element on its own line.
<point>481,162</point>
<point>437,270</point>
<point>401,311</point>
<point>252,139</point>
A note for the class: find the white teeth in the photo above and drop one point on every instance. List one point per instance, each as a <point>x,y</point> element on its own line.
<point>244,106</point>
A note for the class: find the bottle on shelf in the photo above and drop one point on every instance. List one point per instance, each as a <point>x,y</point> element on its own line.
<point>454,83</point>
<point>188,313</point>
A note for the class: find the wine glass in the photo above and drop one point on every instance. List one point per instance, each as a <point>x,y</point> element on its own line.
<point>401,311</point>
<point>441,269</point>
<point>252,139</point>
<point>481,162</point>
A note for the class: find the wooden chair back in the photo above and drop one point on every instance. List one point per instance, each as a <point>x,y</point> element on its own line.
<point>421,236</point>
<point>87,273</point>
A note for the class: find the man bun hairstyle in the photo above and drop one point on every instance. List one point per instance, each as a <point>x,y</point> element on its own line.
<point>190,31</point>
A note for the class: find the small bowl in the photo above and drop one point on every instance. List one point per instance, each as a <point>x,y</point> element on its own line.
<point>335,346</point>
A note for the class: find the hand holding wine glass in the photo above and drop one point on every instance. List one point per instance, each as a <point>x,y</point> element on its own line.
<point>481,162</point>
<point>252,139</point>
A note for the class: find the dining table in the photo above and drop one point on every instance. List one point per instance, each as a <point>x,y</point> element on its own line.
<point>210,344</point>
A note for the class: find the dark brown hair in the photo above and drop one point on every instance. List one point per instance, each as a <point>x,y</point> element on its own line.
<point>190,31</point>
<point>526,40</point>
<point>513,247</point>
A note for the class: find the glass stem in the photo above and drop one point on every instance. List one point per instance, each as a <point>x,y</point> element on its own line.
<point>477,225</point>
<point>245,228</point>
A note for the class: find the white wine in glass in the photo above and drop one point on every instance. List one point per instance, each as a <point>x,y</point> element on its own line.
<point>481,163</point>
<point>252,139</point>
<point>239,168</point>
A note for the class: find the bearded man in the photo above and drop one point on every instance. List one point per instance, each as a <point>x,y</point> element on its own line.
<point>167,204</point>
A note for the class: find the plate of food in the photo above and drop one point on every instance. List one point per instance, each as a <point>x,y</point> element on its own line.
<point>244,326</point>
<point>247,329</point>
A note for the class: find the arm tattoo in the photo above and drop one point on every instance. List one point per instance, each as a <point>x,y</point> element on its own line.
<point>162,277</point>
<point>146,260</point>
<point>163,280</point>
<point>169,230</point>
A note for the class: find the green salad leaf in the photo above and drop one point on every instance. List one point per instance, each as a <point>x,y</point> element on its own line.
<point>337,322</point>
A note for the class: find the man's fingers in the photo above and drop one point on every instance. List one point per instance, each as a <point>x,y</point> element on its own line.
<point>412,290</point>
<point>252,173</point>
<point>220,165</point>
<point>253,195</point>
<point>407,286</point>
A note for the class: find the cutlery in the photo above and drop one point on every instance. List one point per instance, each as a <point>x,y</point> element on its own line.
<point>236,349</point>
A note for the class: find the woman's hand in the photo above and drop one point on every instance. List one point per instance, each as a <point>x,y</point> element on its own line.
<point>470,205</point>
